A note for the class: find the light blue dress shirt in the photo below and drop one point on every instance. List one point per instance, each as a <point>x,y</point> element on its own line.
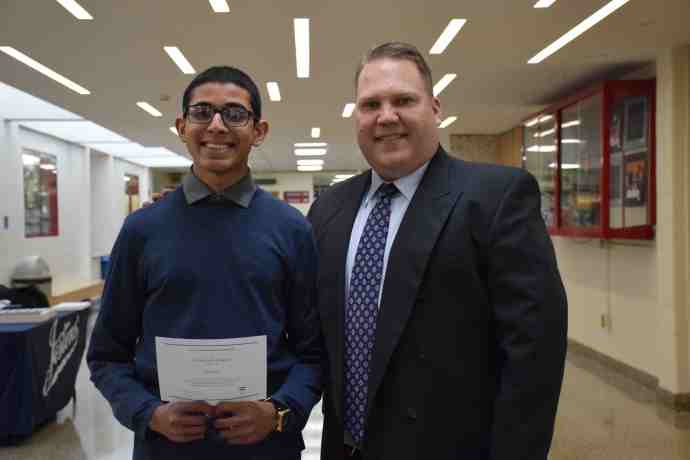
<point>407,187</point>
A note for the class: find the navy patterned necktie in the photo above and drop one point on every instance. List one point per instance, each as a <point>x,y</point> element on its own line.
<point>361,310</point>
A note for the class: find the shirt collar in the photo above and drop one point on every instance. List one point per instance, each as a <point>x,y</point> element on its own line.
<point>240,192</point>
<point>407,185</point>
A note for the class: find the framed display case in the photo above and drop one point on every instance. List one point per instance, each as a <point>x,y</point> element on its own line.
<point>593,155</point>
<point>40,194</point>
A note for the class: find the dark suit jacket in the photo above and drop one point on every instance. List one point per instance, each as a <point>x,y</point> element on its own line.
<point>471,333</point>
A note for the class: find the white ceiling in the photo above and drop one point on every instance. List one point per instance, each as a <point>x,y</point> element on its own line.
<point>119,57</point>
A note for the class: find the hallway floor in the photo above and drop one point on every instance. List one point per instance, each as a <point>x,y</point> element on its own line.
<point>596,421</point>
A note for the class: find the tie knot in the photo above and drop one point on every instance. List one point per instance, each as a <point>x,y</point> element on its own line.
<point>387,190</point>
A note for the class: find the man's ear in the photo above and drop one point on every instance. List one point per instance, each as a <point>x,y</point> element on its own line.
<point>436,107</point>
<point>180,127</point>
<point>260,132</point>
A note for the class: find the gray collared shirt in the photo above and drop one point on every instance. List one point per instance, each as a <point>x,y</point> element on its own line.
<point>240,193</point>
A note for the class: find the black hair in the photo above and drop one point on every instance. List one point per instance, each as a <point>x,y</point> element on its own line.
<point>225,74</point>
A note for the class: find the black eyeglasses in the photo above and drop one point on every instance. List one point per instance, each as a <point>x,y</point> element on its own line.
<point>234,116</point>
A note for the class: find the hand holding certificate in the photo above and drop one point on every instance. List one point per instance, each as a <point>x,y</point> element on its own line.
<point>212,370</point>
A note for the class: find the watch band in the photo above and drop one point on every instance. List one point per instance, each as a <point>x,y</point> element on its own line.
<point>282,414</point>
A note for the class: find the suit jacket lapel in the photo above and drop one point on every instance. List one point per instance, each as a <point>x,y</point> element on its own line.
<point>414,242</point>
<point>339,232</point>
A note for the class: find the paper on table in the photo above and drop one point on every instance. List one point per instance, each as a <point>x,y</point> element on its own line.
<point>212,370</point>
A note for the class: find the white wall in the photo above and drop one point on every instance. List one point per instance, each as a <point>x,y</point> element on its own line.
<point>68,253</point>
<point>290,182</point>
<point>90,207</point>
<point>643,288</point>
<point>617,280</point>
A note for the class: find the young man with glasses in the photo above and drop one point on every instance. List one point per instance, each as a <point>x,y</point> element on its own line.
<point>217,258</point>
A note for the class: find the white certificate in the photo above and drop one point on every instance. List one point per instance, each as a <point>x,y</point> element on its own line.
<point>212,370</point>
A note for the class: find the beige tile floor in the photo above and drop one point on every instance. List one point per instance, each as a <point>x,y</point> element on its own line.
<point>596,420</point>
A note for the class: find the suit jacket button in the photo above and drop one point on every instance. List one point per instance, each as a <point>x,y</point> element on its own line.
<point>411,414</point>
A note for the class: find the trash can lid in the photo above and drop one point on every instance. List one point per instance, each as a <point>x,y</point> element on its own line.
<point>31,267</point>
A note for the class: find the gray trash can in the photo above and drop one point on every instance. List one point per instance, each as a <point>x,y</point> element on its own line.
<point>33,270</point>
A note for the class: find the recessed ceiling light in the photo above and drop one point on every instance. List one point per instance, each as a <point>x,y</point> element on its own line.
<point>311,144</point>
<point>273,91</point>
<point>448,121</point>
<point>174,131</point>
<point>544,3</point>
<point>348,109</point>
<point>302,46</point>
<point>309,152</point>
<point>447,36</point>
<point>443,82</point>
<point>316,132</point>
<point>578,30</point>
<point>219,6</point>
<point>310,162</point>
<point>179,59</point>
<point>149,108</point>
<point>37,66</point>
<point>309,168</point>
<point>76,9</point>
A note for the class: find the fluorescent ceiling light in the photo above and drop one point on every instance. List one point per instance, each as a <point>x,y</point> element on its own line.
<point>578,30</point>
<point>309,152</point>
<point>219,6</point>
<point>309,168</point>
<point>348,109</point>
<point>273,91</point>
<point>545,118</point>
<point>443,82</point>
<point>149,108</point>
<point>30,160</point>
<point>311,144</point>
<point>76,9</point>
<point>532,122</point>
<point>47,167</point>
<point>343,176</point>
<point>448,121</point>
<point>175,161</point>
<point>542,148</point>
<point>316,132</point>
<point>544,3</point>
<point>571,123</point>
<point>548,132</point>
<point>447,36</point>
<point>37,66</point>
<point>174,131</point>
<point>310,162</point>
<point>179,59</point>
<point>565,166</point>
<point>302,46</point>
<point>571,141</point>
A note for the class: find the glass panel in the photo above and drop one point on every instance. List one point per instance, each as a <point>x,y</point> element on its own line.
<point>540,160</point>
<point>132,200</point>
<point>40,194</point>
<point>634,161</point>
<point>581,161</point>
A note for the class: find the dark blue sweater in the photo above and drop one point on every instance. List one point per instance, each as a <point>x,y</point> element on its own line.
<point>209,270</point>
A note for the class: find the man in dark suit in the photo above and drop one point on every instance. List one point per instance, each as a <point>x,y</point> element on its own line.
<point>441,303</point>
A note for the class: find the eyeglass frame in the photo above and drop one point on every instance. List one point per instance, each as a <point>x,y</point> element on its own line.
<point>216,110</point>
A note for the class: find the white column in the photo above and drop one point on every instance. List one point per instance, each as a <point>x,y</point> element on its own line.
<point>673,214</point>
